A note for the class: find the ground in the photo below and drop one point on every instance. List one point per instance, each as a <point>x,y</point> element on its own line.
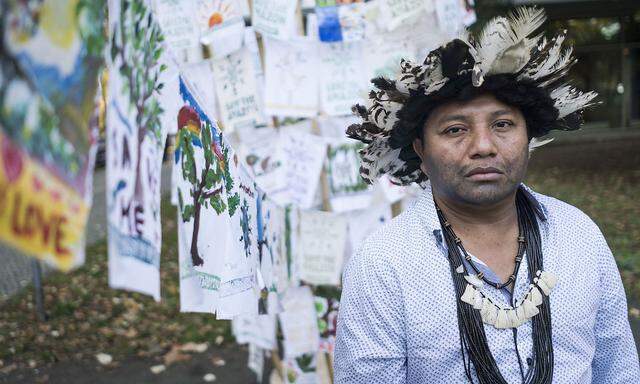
<point>85,317</point>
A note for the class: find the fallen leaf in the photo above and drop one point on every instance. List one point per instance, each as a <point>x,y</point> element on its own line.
<point>156,369</point>
<point>175,355</point>
<point>634,312</point>
<point>219,340</point>
<point>217,361</point>
<point>194,347</point>
<point>8,369</point>
<point>209,377</point>
<point>104,358</point>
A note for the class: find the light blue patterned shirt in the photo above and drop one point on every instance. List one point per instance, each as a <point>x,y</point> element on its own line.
<point>398,323</point>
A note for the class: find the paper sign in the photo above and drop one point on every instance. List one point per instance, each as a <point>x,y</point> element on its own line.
<point>299,323</point>
<point>449,13</point>
<point>274,18</point>
<point>327,312</point>
<point>322,244</point>
<point>302,158</point>
<point>342,82</point>
<point>221,25</point>
<point>347,190</point>
<point>291,78</point>
<point>364,222</point>
<point>302,369</point>
<point>180,31</point>
<point>256,361</point>
<point>258,331</point>
<point>397,12</point>
<point>335,127</point>
<point>237,91</point>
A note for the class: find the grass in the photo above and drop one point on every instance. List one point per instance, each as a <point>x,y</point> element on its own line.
<point>611,200</point>
<point>86,317</point>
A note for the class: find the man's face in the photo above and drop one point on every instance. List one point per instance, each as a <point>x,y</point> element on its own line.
<point>474,152</point>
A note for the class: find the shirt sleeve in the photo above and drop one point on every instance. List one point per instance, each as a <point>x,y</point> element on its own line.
<point>616,357</point>
<point>370,341</point>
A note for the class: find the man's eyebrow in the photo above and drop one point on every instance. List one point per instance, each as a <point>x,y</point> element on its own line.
<point>499,112</point>
<point>450,118</point>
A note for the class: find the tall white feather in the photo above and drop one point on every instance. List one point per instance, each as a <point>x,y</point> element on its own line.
<point>503,46</point>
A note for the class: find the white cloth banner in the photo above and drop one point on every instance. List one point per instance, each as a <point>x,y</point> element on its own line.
<point>136,129</point>
<point>299,322</point>
<point>342,79</point>
<point>291,77</point>
<point>237,91</point>
<point>323,238</point>
<point>274,18</point>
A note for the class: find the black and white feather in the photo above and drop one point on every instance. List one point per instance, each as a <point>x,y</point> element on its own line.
<point>506,45</point>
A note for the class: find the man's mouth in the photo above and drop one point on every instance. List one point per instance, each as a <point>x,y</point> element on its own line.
<point>484,174</point>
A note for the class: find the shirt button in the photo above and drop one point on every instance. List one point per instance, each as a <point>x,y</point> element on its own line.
<point>529,361</point>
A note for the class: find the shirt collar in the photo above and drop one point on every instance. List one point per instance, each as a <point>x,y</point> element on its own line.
<point>427,210</point>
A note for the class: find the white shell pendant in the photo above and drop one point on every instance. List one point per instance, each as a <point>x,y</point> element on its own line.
<point>474,280</point>
<point>477,300</point>
<point>503,318</point>
<point>469,295</point>
<point>502,321</point>
<point>549,278</point>
<point>535,296</point>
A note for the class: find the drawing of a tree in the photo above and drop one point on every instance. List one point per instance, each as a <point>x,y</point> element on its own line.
<point>207,183</point>
<point>137,42</point>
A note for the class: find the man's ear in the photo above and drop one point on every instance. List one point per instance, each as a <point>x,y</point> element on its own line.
<point>417,147</point>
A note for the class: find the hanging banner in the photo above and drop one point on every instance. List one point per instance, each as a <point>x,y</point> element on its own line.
<point>396,12</point>
<point>347,190</point>
<point>51,57</point>
<point>221,25</point>
<point>136,128</point>
<point>204,178</point>
<point>342,82</point>
<point>240,288</point>
<point>274,18</point>
<point>327,312</point>
<point>323,238</point>
<point>178,28</point>
<point>236,89</point>
<point>259,331</point>
<point>291,81</point>
<point>302,157</point>
<point>299,323</point>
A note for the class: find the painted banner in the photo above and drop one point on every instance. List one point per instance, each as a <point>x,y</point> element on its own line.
<point>327,311</point>
<point>299,323</point>
<point>136,128</point>
<point>323,238</point>
<point>180,31</point>
<point>51,57</point>
<point>203,161</point>
<point>347,190</point>
<point>221,25</point>
<point>291,80</point>
<point>342,79</point>
<point>396,12</point>
<point>274,18</point>
<point>236,89</point>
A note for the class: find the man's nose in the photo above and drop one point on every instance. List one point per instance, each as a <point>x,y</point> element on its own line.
<point>482,142</point>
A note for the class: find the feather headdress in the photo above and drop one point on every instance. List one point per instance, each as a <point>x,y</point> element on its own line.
<point>506,53</point>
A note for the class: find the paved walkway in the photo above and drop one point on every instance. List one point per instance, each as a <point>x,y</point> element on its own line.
<point>15,267</point>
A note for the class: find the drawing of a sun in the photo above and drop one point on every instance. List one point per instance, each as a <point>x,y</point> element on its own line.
<point>215,12</point>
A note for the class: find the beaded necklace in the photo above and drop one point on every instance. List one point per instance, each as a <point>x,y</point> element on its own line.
<point>474,309</point>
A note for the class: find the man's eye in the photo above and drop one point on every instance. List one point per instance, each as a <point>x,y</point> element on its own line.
<point>503,124</point>
<point>453,130</point>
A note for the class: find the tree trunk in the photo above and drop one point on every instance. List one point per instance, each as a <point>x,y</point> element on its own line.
<point>195,258</point>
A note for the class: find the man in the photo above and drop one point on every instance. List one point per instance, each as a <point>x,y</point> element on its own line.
<point>482,279</point>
